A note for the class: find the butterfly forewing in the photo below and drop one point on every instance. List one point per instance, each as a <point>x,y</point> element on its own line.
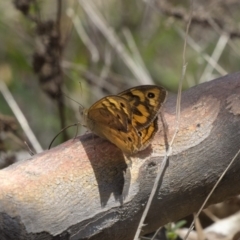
<point>146,102</point>
<point>112,111</point>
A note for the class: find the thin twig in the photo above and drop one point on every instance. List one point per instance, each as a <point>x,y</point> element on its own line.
<point>160,171</point>
<point>83,35</point>
<point>20,117</point>
<point>60,99</point>
<point>210,194</point>
<point>58,17</point>
<point>156,233</point>
<point>162,166</point>
<point>200,19</point>
<point>139,73</point>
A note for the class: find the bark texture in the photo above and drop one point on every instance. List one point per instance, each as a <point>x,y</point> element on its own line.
<point>87,189</point>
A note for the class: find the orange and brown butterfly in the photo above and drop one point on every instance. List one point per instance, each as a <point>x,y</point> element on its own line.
<point>129,119</point>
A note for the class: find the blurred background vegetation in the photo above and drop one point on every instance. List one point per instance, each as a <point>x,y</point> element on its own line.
<point>90,49</point>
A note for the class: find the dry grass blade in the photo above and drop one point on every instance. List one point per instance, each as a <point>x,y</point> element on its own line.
<point>20,117</point>
<point>198,49</point>
<point>134,50</point>
<point>207,73</point>
<point>141,75</point>
<point>83,35</point>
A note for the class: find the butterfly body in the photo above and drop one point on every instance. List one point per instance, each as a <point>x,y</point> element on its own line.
<point>129,119</point>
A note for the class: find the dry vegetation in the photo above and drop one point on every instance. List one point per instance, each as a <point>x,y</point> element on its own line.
<point>89,49</point>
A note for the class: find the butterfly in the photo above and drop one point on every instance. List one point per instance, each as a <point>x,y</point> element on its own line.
<point>129,119</point>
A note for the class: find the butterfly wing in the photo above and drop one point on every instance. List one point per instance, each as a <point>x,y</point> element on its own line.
<point>110,118</point>
<point>112,111</point>
<point>129,142</point>
<point>145,102</point>
<point>148,133</point>
<point>132,141</point>
<point>128,120</point>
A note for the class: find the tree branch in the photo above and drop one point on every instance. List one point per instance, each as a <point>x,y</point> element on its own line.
<point>86,189</point>
<point>204,19</point>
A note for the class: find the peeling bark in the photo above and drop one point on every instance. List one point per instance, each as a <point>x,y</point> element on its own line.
<point>87,189</point>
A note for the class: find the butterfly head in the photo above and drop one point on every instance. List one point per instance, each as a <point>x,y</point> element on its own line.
<point>84,115</point>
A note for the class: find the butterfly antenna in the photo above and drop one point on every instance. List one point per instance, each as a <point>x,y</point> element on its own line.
<point>72,99</point>
<point>81,91</point>
<point>76,131</point>
<point>80,85</point>
<point>75,124</point>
